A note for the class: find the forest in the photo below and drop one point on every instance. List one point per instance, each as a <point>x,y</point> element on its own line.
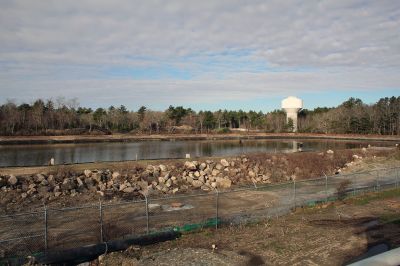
<point>63,117</point>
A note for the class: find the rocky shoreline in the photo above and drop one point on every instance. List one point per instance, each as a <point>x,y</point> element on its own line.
<point>66,186</point>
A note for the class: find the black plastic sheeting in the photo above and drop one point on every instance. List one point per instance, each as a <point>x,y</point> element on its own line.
<point>78,255</point>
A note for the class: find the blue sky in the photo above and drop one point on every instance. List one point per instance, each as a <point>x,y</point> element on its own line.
<point>200,54</point>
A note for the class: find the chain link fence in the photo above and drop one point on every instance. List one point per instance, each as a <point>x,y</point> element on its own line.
<point>23,234</point>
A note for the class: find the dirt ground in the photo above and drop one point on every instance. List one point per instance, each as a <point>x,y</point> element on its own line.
<point>329,234</point>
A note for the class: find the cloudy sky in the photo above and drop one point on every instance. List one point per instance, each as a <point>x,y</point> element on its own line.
<point>200,54</point>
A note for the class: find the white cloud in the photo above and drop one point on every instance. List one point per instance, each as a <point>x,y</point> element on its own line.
<point>232,49</point>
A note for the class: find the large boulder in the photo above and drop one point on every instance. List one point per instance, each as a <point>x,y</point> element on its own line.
<point>115,175</point>
<point>142,184</point>
<point>215,172</point>
<point>202,166</point>
<point>12,180</point>
<point>87,173</point>
<point>163,168</point>
<point>39,178</point>
<point>252,174</point>
<point>224,183</point>
<point>219,166</point>
<point>68,184</point>
<point>197,183</point>
<point>191,166</point>
<point>224,163</point>
<point>129,190</point>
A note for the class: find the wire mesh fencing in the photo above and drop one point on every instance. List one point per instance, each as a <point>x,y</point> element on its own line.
<point>188,211</point>
<point>72,227</point>
<point>22,233</point>
<point>49,229</point>
<point>122,219</point>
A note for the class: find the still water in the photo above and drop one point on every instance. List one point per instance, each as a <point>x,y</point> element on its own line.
<point>29,155</point>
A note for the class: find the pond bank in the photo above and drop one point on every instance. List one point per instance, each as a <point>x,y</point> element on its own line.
<point>15,140</point>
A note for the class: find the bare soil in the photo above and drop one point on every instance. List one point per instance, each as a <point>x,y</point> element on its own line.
<point>329,234</point>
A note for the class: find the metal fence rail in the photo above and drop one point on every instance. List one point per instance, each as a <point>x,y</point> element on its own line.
<point>23,234</point>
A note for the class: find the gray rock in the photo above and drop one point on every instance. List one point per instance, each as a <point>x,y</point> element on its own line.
<point>122,187</point>
<point>129,190</point>
<point>252,174</point>
<point>215,172</point>
<point>163,168</point>
<point>79,181</point>
<point>39,178</point>
<point>189,179</point>
<point>68,184</point>
<point>224,183</point>
<point>87,173</point>
<point>202,179</point>
<point>219,166</point>
<point>190,166</point>
<point>150,168</point>
<point>115,175</point>
<point>142,184</point>
<point>89,182</point>
<point>224,163</point>
<point>197,183</point>
<point>51,180</point>
<point>12,180</point>
<point>161,179</point>
<point>202,166</point>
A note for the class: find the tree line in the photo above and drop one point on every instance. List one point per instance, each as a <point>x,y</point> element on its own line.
<point>48,117</point>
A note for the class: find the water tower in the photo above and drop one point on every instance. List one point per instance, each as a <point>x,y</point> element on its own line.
<point>292,105</point>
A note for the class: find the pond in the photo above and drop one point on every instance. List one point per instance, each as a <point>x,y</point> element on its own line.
<point>33,155</point>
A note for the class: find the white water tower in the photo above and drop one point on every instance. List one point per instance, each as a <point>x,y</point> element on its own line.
<point>292,105</point>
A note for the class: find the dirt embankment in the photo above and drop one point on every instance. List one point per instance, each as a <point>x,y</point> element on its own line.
<point>72,185</point>
<point>330,234</point>
<point>4,140</point>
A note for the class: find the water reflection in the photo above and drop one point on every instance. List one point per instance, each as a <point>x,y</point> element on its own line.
<point>24,155</point>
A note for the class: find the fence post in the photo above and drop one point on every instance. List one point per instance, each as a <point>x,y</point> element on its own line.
<point>101,221</point>
<point>294,192</point>
<point>45,228</point>
<point>326,188</point>
<point>216,209</point>
<point>377,179</point>
<point>147,214</point>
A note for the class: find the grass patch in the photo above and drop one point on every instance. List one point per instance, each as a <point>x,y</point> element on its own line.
<point>277,247</point>
<point>392,218</point>
<point>365,199</point>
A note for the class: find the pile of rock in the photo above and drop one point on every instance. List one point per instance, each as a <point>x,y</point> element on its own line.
<point>356,160</point>
<point>167,179</point>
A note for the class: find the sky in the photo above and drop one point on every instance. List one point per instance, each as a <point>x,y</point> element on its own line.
<point>225,54</point>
